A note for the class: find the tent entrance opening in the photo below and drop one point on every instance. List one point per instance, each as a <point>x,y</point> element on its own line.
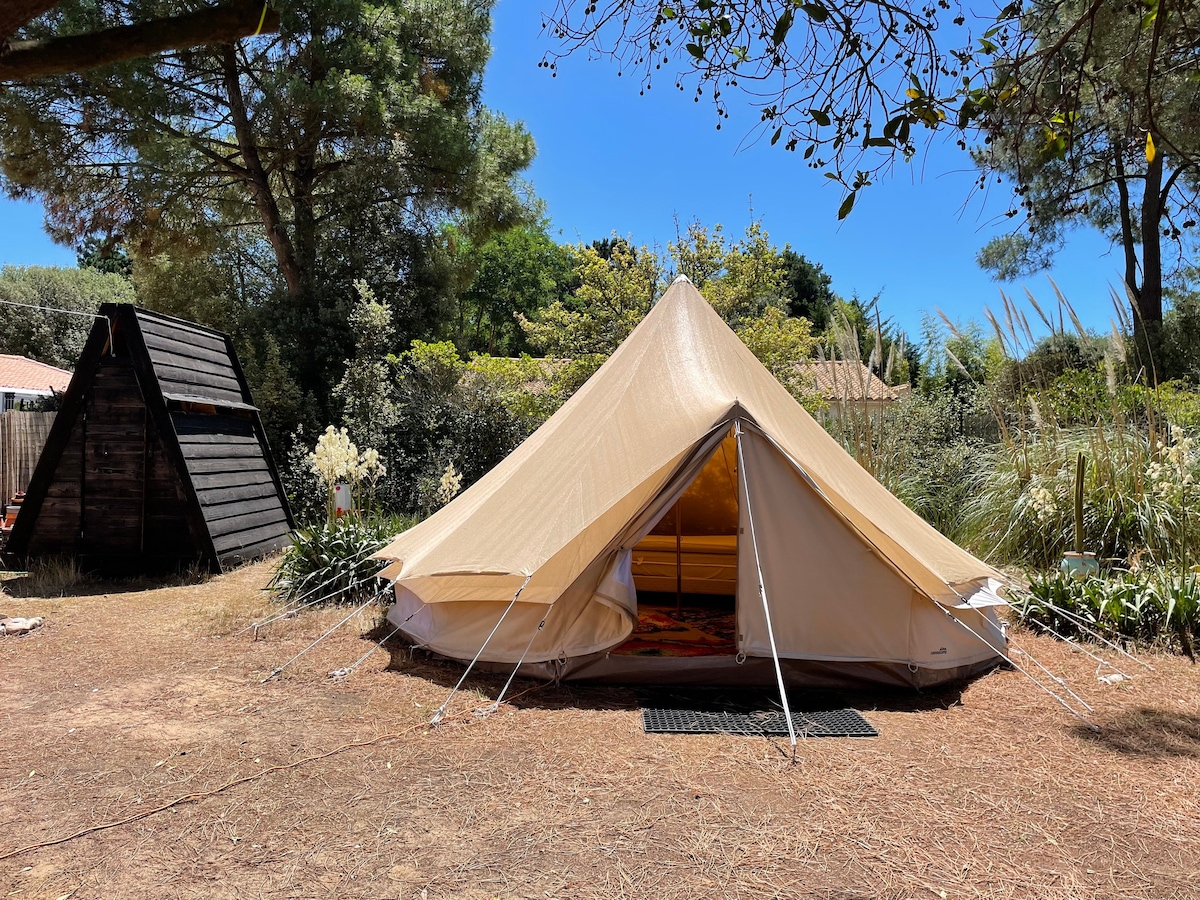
<point>685,569</point>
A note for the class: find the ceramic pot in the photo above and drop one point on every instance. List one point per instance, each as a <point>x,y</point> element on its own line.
<point>1079,565</point>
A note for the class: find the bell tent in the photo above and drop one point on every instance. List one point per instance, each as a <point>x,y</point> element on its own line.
<point>683,519</point>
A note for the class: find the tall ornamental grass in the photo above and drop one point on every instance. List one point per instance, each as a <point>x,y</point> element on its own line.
<point>1137,497</point>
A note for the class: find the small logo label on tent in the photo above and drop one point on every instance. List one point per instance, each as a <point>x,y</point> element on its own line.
<point>939,652</point>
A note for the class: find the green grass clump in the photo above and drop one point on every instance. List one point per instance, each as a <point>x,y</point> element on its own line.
<point>1137,494</point>
<point>332,563</point>
<point>1153,607</point>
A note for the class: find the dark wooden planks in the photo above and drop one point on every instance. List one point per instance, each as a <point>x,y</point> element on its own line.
<point>234,484</point>
<point>190,360</point>
<point>242,539</point>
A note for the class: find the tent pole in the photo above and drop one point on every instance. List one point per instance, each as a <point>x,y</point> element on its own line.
<point>678,557</point>
<point>762,591</point>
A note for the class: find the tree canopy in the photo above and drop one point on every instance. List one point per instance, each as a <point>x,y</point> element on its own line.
<point>50,337</point>
<point>1100,126</point>
<point>330,151</point>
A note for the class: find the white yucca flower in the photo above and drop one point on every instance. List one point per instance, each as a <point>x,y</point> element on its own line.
<point>450,484</point>
<point>335,459</point>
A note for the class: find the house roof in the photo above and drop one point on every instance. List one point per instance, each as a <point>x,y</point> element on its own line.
<point>17,373</point>
<point>838,379</point>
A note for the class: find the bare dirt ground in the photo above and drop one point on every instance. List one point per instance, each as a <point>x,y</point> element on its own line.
<point>129,700</point>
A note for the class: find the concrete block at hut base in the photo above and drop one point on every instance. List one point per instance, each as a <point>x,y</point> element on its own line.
<point>19,626</point>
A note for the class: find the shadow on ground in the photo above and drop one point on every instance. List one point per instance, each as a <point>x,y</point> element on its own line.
<point>1149,732</point>
<point>534,694</point>
<point>27,585</point>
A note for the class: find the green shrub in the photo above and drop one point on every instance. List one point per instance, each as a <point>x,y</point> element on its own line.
<point>332,563</point>
<point>1154,606</point>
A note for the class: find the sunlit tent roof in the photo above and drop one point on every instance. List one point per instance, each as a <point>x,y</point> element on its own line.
<point>856,583</point>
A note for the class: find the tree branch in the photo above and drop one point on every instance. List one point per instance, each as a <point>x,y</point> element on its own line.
<point>221,24</point>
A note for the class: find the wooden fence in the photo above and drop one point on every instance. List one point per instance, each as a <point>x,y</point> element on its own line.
<point>22,436</point>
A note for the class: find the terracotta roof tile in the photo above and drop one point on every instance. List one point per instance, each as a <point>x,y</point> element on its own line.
<point>20,374</point>
<point>846,380</point>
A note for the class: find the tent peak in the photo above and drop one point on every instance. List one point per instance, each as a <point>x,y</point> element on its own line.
<point>681,279</point>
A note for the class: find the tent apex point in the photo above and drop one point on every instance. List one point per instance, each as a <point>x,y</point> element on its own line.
<point>681,279</point>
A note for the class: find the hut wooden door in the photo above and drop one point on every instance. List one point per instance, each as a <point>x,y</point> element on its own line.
<point>114,468</point>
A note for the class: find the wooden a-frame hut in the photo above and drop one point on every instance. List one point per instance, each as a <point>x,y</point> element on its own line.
<point>157,458</point>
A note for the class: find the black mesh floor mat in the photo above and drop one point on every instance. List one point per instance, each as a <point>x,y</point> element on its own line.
<point>818,723</point>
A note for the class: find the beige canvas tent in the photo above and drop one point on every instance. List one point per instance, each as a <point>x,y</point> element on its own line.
<point>682,478</point>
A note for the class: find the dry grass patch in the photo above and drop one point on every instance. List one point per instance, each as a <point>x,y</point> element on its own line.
<point>127,701</point>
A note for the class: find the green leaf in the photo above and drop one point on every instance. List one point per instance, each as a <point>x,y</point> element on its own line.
<point>812,148</point>
<point>819,116</point>
<point>847,205</point>
<point>889,130</point>
<point>878,142</point>
<point>667,13</point>
<point>704,5</point>
<point>696,50</point>
<point>776,135</point>
<point>816,11</point>
<point>782,26</point>
<point>725,25</point>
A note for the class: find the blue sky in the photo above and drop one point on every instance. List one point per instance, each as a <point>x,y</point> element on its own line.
<point>611,160</point>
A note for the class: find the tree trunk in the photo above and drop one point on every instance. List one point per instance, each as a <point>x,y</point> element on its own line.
<point>24,60</point>
<point>1148,312</point>
<point>1150,299</point>
<point>1128,240</point>
<point>258,182</point>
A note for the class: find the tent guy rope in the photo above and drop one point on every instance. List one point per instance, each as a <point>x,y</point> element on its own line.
<point>440,715</point>
<point>1008,659</point>
<point>65,312</point>
<point>351,615</point>
<point>495,704</point>
<point>1097,635</point>
<point>254,626</point>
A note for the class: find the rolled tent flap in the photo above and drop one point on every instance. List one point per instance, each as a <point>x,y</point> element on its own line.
<point>597,612</point>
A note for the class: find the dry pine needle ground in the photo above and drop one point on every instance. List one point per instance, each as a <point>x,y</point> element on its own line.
<point>129,699</point>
